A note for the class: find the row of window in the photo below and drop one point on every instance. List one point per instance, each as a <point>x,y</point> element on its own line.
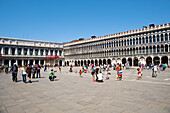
<point>25,52</point>
<point>141,50</point>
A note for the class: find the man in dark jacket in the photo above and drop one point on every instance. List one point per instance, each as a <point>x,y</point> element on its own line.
<point>14,71</point>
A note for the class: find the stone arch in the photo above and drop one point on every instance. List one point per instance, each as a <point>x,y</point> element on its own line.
<point>135,61</point>
<point>78,62</point>
<point>108,61</point>
<point>142,60</point>
<point>75,63</point>
<point>92,61</point>
<point>156,60</point>
<point>100,62</point>
<point>81,62</point>
<point>85,62</point>
<point>67,63</point>
<point>123,60</point>
<point>130,61</point>
<point>96,62</point>
<point>104,61</point>
<point>148,60</point>
<point>164,59</point>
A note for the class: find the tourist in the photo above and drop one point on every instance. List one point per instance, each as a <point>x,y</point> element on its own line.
<point>80,73</point>
<point>6,68</point>
<point>1,68</point>
<point>38,71</point>
<point>155,69</point>
<point>23,72</point>
<point>29,71</point>
<point>100,77</point>
<point>14,71</point>
<point>139,75</point>
<point>106,72</point>
<point>92,73</point>
<point>51,75</point>
<point>60,69</point>
<point>45,68</point>
<point>34,71</point>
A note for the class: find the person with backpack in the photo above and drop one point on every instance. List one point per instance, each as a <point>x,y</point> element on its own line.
<point>38,71</point>
<point>29,71</point>
<point>14,71</point>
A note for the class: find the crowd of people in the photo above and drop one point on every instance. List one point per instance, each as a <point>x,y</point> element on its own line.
<point>97,72</point>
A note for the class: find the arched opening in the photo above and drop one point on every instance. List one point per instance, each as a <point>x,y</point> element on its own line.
<point>42,62</point>
<point>109,61</point>
<point>75,63</point>
<point>104,61</point>
<point>67,63</point>
<point>96,62</point>
<point>31,62</point>
<point>36,62</point>
<point>92,61</point>
<point>25,62</point>
<point>123,60</point>
<point>84,62</point>
<point>166,48</point>
<point>162,48</point>
<point>12,62</point>
<point>158,49</point>
<point>156,60</point>
<point>20,62</point>
<point>6,62</point>
<point>88,62</point>
<point>60,63</point>
<point>148,61</point>
<point>78,62</point>
<point>100,62</point>
<point>135,61</point>
<point>81,62</point>
<point>130,61</point>
<point>119,61</point>
<point>142,60</point>
<point>164,60</point>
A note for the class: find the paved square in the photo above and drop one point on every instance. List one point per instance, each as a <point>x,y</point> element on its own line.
<point>72,94</point>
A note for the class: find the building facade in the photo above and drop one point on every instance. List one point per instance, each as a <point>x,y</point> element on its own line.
<point>147,45</point>
<point>24,52</point>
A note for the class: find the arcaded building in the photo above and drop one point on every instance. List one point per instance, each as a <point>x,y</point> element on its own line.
<point>24,52</point>
<point>146,45</point>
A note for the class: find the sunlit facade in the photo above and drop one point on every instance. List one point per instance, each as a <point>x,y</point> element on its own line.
<point>142,46</point>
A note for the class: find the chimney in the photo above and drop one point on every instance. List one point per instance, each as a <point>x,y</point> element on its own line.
<point>151,25</point>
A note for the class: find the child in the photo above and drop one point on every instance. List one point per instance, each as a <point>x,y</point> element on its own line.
<point>51,76</point>
<point>80,72</point>
<point>139,76</point>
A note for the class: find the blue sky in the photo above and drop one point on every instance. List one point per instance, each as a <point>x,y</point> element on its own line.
<point>67,20</point>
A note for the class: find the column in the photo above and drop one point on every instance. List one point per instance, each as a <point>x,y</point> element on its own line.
<point>44,52</point>
<point>9,62</point>
<point>39,62</point>
<point>160,59</point>
<point>2,50</point>
<point>22,62</point>
<point>49,52</point>
<point>33,51</point>
<point>33,62</point>
<point>28,52</point>
<point>44,62</point>
<point>39,52</point>
<point>10,51</point>
<point>16,51</point>
<point>54,61</point>
<point>22,51</point>
<point>2,61</point>
<point>28,62</point>
<point>54,52</point>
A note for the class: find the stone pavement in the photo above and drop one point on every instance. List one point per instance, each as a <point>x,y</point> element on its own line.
<point>72,94</point>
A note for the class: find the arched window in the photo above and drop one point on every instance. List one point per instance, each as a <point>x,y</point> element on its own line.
<point>166,48</point>
<point>144,50</point>
<point>154,49</point>
<point>154,40</point>
<point>143,40</point>
<point>157,38</point>
<point>134,41</point>
<point>158,48</point>
<point>122,42</point>
<point>146,39</point>
<point>166,37</point>
<point>125,42</point>
<point>150,39</point>
<point>136,50</point>
<point>162,37</point>
<point>162,48</point>
<point>140,50</point>
<point>130,41</point>
<point>150,48</point>
<point>119,43</point>
<point>133,50</point>
<point>140,40</point>
<point>127,51</point>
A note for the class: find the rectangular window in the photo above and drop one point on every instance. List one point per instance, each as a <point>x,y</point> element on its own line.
<point>55,52</point>
<point>42,52</point>
<point>36,52</point>
<point>25,51</point>
<point>46,52</point>
<point>19,51</point>
<point>31,51</point>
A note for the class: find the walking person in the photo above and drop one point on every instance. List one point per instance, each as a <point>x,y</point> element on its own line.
<point>6,69</point>
<point>24,73</point>
<point>14,71</point>
<point>29,71</point>
<point>34,71</point>
<point>38,71</point>
<point>155,69</point>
